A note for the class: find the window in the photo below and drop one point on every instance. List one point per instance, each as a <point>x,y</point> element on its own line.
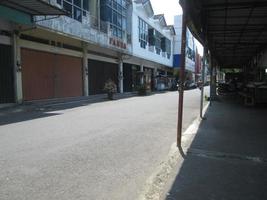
<point>163,44</point>
<point>115,5</point>
<point>190,53</point>
<point>158,37</point>
<point>75,8</point>
<point>123,3</point>
<point>151,37</point>
<point>114,12</point>
<point>77,3</point>
<point>168,48</point>
<point>77,14</point>
<point>124,23</point>
<point>86,5</point>
<point>68,8</point>
<point>143,33</point>
<point>119,20</point>
<point>114,18</point>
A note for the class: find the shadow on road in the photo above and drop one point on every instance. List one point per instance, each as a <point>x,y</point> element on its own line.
<point>42,109</point>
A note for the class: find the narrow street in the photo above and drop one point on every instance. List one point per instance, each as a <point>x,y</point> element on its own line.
<point>103,150</point>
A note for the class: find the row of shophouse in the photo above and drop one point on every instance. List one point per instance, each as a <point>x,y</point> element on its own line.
<point>69,48</point>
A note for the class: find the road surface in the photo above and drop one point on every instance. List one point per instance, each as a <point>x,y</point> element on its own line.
<point>103,150</point>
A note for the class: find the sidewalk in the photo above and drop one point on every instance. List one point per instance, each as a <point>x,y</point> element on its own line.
<point>227,159</point>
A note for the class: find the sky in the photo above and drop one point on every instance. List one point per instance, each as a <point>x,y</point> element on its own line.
<point>170,8</point>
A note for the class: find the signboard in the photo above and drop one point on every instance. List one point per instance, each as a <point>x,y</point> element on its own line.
<point>117,43</point>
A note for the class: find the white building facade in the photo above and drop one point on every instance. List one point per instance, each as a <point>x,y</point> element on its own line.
<point>152,43</point>
<point>190,64</point>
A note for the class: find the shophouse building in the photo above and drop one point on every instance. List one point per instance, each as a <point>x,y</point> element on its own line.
<point>69,48</point>
<point>16,18</point>
<point>152,43</point>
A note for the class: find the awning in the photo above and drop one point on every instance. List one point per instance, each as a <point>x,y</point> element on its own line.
<point>33,7</point>
<point>236,30</point>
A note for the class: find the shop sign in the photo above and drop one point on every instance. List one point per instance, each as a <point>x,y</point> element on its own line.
<point>117,43</point>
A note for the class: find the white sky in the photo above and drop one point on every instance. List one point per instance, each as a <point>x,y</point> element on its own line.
<point>170,8</point>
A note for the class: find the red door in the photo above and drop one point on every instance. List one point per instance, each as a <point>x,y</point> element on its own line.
<point>68,76</point>
<point>47,76</point>
<point>37,74</point>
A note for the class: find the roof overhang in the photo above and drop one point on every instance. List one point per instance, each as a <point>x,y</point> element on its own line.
<point>148,8</point>
<point>33,7</point>
<point>161,19</point>
<point>235,30</point>
<point>147,5</point>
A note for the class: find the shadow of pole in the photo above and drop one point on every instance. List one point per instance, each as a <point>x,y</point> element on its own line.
<point>181,151</point>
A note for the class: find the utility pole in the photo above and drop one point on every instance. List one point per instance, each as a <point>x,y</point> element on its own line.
<point>182,74</point>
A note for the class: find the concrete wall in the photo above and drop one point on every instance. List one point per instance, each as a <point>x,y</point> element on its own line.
<point>84,31</point>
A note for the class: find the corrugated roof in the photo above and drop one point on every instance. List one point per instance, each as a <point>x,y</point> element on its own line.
<point>236,30</point>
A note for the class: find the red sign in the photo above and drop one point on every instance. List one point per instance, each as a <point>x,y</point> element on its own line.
<point>117,43</point>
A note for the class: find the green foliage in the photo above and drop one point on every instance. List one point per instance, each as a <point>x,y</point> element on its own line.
<point>110,86</point>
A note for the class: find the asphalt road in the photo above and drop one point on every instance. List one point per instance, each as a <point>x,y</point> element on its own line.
<point>103,150</point>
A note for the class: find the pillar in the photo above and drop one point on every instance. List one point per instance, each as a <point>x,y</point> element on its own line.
<point>213,81</point>
<point>142,76</point>
<point>17,69</point>
<point>203,80</point>
<point>85,71</point>
<point>120,76</point>
<point>155,73</point>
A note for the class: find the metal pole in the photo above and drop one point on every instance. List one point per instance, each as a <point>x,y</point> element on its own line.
<point>203,82</point>
<point>211,79</point>
<point>182,73</point>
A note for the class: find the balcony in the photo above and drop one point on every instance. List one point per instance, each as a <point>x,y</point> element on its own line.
<point>90,30</point>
